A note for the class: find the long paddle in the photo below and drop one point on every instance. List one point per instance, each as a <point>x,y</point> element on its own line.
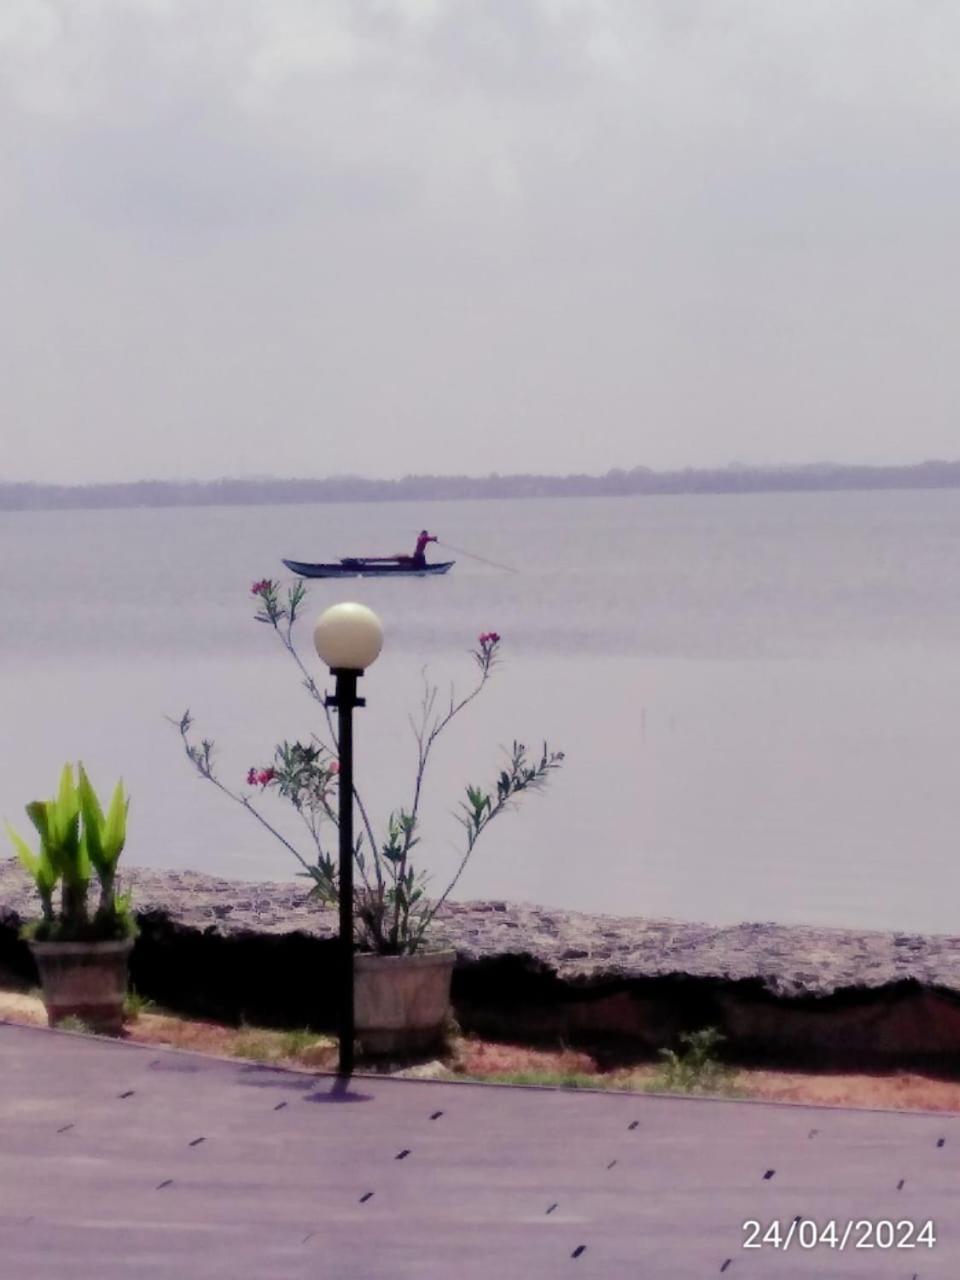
<point>483,560</point>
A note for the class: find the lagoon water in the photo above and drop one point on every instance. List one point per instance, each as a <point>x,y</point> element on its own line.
<point>758,696</point>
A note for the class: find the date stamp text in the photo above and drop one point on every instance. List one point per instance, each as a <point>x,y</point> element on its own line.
<point>835,1233</point>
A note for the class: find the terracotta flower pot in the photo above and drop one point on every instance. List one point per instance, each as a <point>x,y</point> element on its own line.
<point>85,980</point>
<point>401,1002</point>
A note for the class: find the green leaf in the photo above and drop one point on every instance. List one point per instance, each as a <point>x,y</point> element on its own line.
<point>93,821</point>
<point>38,812</point>
<point>63,816</point>
<point>46,876</point>
<point>89,803</point>
<point>39,865</point>
<point>26,855</point>
<point>68,804</point>
<point>115,831</point>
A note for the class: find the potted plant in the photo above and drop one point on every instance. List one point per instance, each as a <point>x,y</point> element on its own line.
<point>402,969</point>
<point>81,957</point>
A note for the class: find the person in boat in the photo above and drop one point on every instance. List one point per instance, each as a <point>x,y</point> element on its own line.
<point>419,559</point>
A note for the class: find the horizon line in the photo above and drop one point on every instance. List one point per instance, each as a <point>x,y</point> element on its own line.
<point>731,468</point>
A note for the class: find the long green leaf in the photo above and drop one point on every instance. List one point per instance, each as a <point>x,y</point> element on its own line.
<point>39,865</point>
<point>65,827</point>
<point>93,821</point>
<point>38,812</point>
<point>67,801</point>
<point>26,855</point>
<point>89,802</point>
<point>81,861</point>
<point>47,876</point>
<point>64,816</point>
<point>115,832</point>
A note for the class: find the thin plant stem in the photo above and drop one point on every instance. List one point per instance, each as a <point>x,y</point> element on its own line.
<point>393,913</point>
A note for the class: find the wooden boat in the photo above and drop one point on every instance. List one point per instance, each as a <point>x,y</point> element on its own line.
<point>367,567</point>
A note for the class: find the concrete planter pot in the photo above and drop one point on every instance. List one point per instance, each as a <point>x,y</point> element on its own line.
<point>401,1003</point>
<point>86,980</point>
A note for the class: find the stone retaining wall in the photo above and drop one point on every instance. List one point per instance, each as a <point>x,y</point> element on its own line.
<point>234,949</point>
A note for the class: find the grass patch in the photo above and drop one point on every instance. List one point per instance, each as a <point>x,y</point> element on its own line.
<point>695,1068</point>
<point>303,1046</point>
<point>692,1068</point>
<point>296,1043</point>
<point>72,1023</point>
<point>257,1045</point>
<point>135,1004</point>
<point>543,1079</point>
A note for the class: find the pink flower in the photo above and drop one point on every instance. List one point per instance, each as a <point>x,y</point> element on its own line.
<point>266,776</point>
<point>333,766</point>
<point>251,777</point>
<point>261,588</point>
<point>489,638</point>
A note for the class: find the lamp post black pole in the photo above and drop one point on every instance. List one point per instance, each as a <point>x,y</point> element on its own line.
<point>345,699</point>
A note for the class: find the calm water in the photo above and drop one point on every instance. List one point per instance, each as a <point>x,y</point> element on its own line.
<point>758,696</point>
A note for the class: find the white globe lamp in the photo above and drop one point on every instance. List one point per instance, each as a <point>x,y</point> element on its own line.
<point>348,637</point>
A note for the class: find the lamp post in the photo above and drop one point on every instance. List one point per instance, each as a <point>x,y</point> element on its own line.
<point>347,637</point>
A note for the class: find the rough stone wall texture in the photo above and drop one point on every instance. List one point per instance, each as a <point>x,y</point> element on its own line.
<point>261,951</point>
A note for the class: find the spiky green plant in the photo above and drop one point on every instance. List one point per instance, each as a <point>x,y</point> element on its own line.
<point>76,840</point>
<point>62,857</point>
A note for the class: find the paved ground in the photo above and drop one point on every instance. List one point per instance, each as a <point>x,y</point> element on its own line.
<point>127,1161</point>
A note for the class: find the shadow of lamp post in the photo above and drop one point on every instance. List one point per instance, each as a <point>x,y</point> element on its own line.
<point>348,638</point>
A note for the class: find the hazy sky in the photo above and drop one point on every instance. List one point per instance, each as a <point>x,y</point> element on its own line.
<point>307,237</point>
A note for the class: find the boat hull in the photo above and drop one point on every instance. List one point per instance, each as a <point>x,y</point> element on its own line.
<point>366,569</point>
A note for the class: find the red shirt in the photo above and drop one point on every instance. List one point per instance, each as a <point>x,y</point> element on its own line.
<point>422,541</point>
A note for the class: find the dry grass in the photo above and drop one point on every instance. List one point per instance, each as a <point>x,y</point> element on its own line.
<point>894,1090</point>
<point>19,1006</point>
<point>891,1090</point>
<point>291,1048</point>
<point>489,1060</point>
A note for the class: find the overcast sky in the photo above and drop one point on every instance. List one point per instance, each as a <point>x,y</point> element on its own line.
<point>312,237</point>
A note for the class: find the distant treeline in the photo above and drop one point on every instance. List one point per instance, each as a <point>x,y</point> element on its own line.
<point>615,483</point>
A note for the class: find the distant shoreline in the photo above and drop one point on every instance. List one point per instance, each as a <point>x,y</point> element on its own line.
<point>637,482</point>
